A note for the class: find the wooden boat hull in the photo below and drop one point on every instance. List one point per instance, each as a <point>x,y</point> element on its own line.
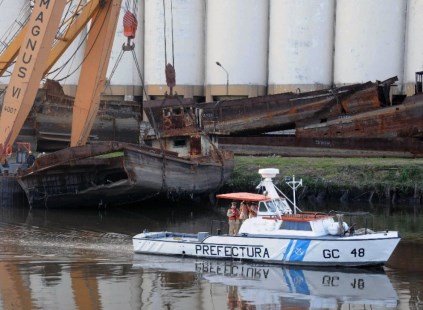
<point>77,177</point>
<point>151,172</point>
<point>364,250</point>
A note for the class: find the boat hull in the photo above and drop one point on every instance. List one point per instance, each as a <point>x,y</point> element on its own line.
<point>364,250</point>
<point>78,177</point>
<point>176,177</point>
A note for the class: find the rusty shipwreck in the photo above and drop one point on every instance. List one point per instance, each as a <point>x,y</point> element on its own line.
<point>185,164</point>
<point>186,148</point>
<point>363,120</point>
<point>180,155</point>
<point>48,125</point>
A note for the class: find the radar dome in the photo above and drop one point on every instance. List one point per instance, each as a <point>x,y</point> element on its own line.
<point>268,172</point>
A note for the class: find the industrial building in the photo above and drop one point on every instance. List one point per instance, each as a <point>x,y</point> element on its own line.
<point>245,48</point>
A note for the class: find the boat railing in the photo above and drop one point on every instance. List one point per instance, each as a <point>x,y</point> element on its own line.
<point>305,216</point>
<point>355,219</point>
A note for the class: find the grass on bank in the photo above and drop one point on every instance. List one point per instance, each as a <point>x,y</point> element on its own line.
<point>363,174</point>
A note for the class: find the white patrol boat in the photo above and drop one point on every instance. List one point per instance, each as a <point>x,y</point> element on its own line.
<point>280,235</point>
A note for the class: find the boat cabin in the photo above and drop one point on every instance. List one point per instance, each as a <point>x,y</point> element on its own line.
<point>276,217</point>
<point>266,205</point>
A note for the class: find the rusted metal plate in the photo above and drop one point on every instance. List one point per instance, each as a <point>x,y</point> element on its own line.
<point>172,116</point>
<point>73,155</point>
<point>50,120</point>
<point>289,110</point>
<point>316,147</point>
<point>195,146</point>
<point>405,120</point>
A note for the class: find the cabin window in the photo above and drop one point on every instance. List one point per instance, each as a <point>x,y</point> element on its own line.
<point>262,207</point>
<point>167,112</point>
<point>179,142</point>
<point>271,206</point>
<point>268,206</point>
<point>305,226</point>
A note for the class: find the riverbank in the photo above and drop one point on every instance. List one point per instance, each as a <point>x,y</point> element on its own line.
<point>345,179</point>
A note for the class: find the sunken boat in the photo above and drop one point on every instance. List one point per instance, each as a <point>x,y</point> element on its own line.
<point>292,110</point>
<point>390,131</point>
<point>49,122</point>
<point>48,125</point>
<point>183,164</point>
<point>363,120</point>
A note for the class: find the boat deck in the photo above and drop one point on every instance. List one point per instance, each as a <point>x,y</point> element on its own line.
<point>174,236</point>
<point>201,236</point>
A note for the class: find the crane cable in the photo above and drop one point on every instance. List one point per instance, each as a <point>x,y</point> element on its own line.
<point>173,45</point>
<point>130,25</point>
<point>10,34</point>
<point>115,66</point>
<point>164,32</point>
<point>79,46</point>
<point>72,56</point>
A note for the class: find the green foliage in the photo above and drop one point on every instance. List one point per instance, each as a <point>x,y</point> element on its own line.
<point>379,175</point>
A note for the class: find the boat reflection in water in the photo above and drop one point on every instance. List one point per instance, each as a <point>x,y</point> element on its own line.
<point>268,285</point>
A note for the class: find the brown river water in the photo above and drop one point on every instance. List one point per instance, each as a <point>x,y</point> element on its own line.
<point>83,259</point>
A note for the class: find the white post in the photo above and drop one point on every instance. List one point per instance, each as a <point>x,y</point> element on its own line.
<point>294,189</point>
<point>294,185</point>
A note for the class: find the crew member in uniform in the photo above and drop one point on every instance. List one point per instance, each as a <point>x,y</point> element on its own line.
<point>233,217</point>
<point>253,210</point>
<point>243,212</point>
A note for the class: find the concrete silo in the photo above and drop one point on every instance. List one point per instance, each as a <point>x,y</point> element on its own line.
<point>236,38</point>
<point>369,40</point>
<point>414,44</point>
<point>300,45</point>
<point>185,49</point>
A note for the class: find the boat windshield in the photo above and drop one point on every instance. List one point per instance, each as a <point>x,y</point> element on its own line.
<point>282,206</point>
<point>274,206</point>
<point>266,206</point>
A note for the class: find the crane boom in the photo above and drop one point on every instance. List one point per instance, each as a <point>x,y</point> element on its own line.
<point>93,72</point>
<point>90,10</point>
<point>78,21</point>
<point>36,55</point>
<point>29,69</point>
<point>10,53</point>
